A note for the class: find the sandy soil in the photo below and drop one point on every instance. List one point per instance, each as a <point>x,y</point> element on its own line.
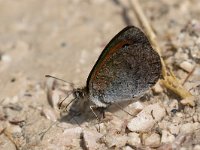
<point>64,38</point>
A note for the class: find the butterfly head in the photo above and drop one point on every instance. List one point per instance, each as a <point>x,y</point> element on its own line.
<point>75,102</point>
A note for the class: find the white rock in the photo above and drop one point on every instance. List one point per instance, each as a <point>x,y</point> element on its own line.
<point>167,137</point>
<point>164,124</point>
<point>73,132</point>
<point>49,114</point>
<point>6,58</point>
<point>153,140</point>
<point>197,147</point>
<point>146,119</point>
<point>102,127</point>
<point>187,66</point>
<point>195,118</point>
<point>134,139</point>
<point>115,141</point>
<point>173,105</point>
<point>189,127</point>
<point>70,138</point>
<point>180,114</point>
<point>174,128</point>
<point>115,125</point>
<point>157,88</point>
<point>189,101</point>
<point>135,107</point>
<point>15,129</point>
<point>127,148</point>
<point>90,139</point>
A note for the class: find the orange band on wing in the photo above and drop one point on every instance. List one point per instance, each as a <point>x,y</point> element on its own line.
<point>108,55</point>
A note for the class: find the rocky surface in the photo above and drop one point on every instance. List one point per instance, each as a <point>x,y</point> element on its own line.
<point>64,39</point>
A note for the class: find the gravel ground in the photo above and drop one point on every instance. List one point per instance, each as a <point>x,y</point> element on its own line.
<point>64,38</point>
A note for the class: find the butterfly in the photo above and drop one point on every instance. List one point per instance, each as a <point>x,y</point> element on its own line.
<point>127,67</point>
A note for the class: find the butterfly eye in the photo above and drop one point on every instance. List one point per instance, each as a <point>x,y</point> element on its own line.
<point>125,45</point>
<point>78,94</point>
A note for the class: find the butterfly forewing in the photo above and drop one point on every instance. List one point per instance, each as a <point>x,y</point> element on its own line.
<point>127,67</point>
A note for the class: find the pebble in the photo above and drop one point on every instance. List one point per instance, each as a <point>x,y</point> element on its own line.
<point>127,148</point>
<point>189,127</point>
<point>8,100</point>
<point>134,139</point>
<point>73,132</point>
<point>174,129</point>
<point>167,137</point>
<point>15,129</point>
<point>157,88</point>
<point>153,140</point>
<point>195,118</point>
<point>197,147</point>
<point>187,66</point>
<point>70,138</point>
<point>49,114</point>
<point>90,139</point>
<point>146,119</point>
<point>173,105</point>
<point>6,58</point>
<point>116,141</point>
<point>136,107</point>
<point>115,125</point>
<point>189,101</point>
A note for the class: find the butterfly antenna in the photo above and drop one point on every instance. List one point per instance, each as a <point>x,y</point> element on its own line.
<point>44,132</point>
<point>123,109</point>
<point>49,76</point>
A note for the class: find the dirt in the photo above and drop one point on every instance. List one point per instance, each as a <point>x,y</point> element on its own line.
<point>64,39</point>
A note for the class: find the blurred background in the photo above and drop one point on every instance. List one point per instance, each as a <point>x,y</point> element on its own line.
<point>64,38</point>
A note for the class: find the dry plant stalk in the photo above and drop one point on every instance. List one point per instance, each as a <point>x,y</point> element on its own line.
<point>169,80</point>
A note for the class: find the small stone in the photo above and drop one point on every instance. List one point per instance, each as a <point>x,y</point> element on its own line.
<point>6,58</point>
<point>116,141</point>
<point>174,129</point>
<point>179,114</point>
<point>134,139</point>
<point>115,125</point>
<point>70,138</point>
<point>197,147</point>
<point>164,124</point>
<point>102,127</point>
<point>189,127</point>
<point>153,140</point>
<point>187,66</point>
<point>49,114</point>
<point>90,139</point>
<point>167,137</point>
<point>127,148</point>
<point>189,101</point>
<point>167,146</point>
<point>172,106</point>
<point>15,129</point>
<point>136,107</point>
<point>146,119</point>
<point>157,88</point>
<point>73,132</point>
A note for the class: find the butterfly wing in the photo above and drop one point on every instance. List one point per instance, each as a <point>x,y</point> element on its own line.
<point>126,68</point>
